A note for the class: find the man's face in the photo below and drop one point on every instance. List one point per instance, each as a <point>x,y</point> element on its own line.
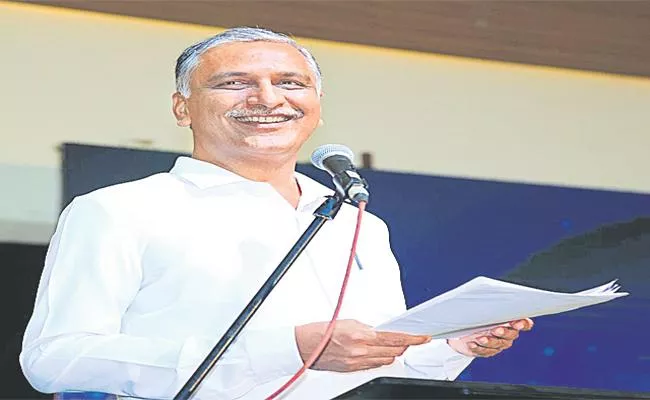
<point>253,99</point>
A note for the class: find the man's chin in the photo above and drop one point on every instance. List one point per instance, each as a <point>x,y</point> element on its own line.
<point>272,144</point>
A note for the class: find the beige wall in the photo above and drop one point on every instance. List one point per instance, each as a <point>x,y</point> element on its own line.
<point>72,76</point>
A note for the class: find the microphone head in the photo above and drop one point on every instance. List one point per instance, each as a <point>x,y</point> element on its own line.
<point>327,150</point>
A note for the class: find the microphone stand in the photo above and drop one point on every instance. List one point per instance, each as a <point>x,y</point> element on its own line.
<point>324,213</point>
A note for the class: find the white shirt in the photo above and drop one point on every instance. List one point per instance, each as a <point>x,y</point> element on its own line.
<point>141,279</point>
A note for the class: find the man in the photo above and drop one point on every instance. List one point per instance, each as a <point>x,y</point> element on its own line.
<point>142,278</point>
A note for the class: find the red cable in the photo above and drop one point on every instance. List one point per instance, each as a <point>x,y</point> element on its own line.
<point>330,327</point>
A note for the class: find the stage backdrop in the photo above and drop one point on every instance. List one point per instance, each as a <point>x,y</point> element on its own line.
<point>446,231</point>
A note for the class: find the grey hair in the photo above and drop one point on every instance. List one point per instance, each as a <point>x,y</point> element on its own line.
<point>190,58</point>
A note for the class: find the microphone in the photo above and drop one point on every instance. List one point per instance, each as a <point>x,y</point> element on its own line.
<point>336,159</point>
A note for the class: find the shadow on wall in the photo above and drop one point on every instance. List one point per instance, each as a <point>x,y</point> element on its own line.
<point>620,250</point>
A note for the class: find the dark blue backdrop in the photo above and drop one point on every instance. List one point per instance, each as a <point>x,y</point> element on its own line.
<point>446,231</point>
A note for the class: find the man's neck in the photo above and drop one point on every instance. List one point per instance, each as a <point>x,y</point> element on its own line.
<point>280,175</point>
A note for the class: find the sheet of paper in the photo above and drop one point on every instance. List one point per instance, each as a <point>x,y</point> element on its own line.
<point>483,303</point>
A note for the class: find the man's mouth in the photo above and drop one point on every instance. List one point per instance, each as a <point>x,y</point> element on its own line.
<point>265,119</point>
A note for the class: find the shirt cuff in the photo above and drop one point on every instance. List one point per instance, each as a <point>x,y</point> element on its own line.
<point>435,360</point>
<point>454,362</point>
<point>273,353</point>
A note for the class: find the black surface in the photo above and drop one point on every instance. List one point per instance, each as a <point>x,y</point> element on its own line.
<point>401,388</point>
<point>22,265</point>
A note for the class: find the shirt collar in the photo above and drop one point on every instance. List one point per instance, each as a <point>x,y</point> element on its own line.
<point>203,175</point>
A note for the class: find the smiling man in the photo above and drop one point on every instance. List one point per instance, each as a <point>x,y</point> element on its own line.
<point>142,278</point>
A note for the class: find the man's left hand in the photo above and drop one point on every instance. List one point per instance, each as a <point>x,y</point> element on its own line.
<point>492,342</point>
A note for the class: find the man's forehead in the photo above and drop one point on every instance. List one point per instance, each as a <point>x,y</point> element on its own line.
<point>252,58</point>
<point>255,54</point>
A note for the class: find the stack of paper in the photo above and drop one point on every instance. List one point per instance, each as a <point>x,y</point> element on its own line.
<point>483,303</point>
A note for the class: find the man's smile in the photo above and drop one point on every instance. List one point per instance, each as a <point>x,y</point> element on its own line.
<point>265,119</point>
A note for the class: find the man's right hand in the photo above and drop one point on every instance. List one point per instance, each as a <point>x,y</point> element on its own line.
<point>354,346</point>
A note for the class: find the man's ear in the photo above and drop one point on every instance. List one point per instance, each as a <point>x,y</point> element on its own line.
<point>181,112</point>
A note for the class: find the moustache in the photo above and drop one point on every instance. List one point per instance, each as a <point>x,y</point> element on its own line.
<point>263,112</point>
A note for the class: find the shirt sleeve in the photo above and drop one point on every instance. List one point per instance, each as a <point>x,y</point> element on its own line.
<point>73,341</point>
<point>434,360</point>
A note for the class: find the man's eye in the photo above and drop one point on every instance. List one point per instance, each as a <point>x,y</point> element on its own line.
<point>288,84</point>
<point>232,85</point>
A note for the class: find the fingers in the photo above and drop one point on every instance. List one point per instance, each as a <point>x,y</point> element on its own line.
<point>503,332</point>
<point>383,351</point>
<point>529,324</point>
<point>525,324</point>
<point>492,342</point>
<point>479,351</point>
<point>354,346</point>
<point>499,338</point>
<point>399,339</point>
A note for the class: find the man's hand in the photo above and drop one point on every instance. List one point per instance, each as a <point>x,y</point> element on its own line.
<point>354,346</point>
<point>492,342</point>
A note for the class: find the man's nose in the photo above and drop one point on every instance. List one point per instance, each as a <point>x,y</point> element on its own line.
<point>265,94</point>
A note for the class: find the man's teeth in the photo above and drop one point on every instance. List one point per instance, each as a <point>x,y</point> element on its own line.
<point>264,120</point>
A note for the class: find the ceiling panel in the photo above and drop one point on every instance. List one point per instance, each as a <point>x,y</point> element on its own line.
<point>607,36</point>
